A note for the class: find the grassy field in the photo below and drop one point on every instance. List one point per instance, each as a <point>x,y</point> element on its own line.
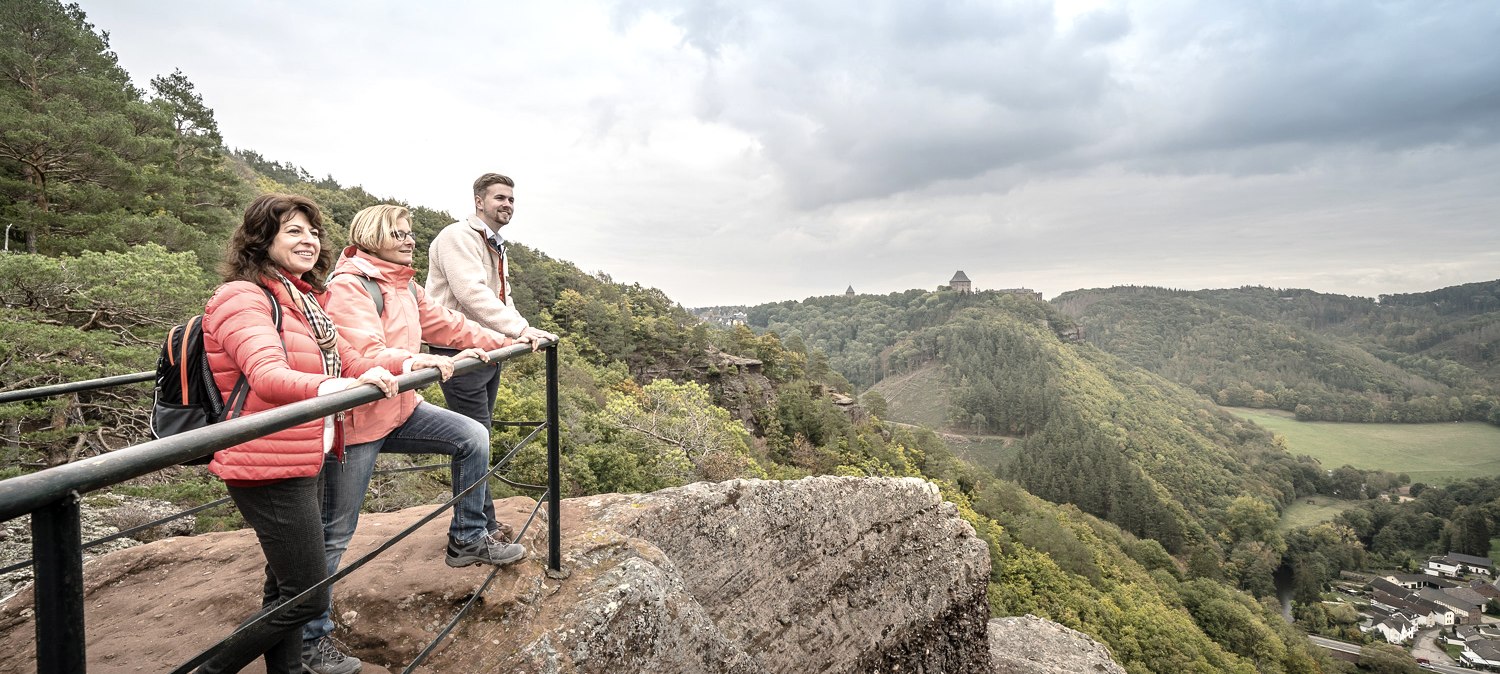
<point>1430,453</point>
<point>918,397</point>
<point>1307,511</point>
<point>988,451</point>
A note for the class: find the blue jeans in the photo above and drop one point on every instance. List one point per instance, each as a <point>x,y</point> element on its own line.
<point>429,430</point>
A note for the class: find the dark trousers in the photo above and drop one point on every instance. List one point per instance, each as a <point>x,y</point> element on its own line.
<point>472,393</point>
<point>287,521</point>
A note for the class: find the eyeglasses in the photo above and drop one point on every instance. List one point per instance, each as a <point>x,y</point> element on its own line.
<point>403,236</point>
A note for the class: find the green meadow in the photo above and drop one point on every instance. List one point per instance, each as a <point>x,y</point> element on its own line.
<point>1310,510</point>
<point>1430,453</point>
<point>985,451</point>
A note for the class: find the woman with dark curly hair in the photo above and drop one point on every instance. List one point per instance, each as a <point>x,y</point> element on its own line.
<point>274,267</point>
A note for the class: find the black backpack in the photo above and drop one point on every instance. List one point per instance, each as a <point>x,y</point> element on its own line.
<point>186,395</point>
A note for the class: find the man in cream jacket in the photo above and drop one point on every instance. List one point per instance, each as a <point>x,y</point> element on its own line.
<point>467,272</point>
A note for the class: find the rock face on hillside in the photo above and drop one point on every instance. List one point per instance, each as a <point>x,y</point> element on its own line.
<point>735,383</point>
<point>823,575</point>
<point>1031,645</point>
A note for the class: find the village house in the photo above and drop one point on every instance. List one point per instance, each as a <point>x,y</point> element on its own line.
<point>1393,627</point>
<point>1481,653</point>
<point>1469,633</point>
<point>1455,565</point>
<point>1467,610</point>
<point>1485,588</point>
<point>1393,598</point>
<point>1417,581</point>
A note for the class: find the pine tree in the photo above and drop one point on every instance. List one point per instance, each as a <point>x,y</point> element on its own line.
<point>72,128</point>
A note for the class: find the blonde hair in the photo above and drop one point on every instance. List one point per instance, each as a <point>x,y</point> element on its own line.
<point>370,230</point>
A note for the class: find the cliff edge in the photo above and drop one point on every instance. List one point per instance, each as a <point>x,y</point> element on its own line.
<point>824,574</point>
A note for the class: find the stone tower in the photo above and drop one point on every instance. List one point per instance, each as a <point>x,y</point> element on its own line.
<point>961,282</point>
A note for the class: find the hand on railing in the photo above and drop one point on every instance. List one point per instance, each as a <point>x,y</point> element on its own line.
<point>535,337</point>
<point>428,361</point>
<point>382,379</point>
<point>473,352</point>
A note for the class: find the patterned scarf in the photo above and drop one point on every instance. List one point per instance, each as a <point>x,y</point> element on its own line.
<point>324,332</point>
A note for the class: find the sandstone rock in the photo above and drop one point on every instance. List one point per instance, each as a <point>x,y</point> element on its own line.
<point>1031,645</point>
<point>824,574</point>
<point>102,515</point>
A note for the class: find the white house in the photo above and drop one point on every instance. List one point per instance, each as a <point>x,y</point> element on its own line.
<point>1465,611</point>
<point>1422,612</point>
<point>1417,581</point>
<point>1441,567</point>
<point>1394,628</point>
<point>1481,653</point>
<point>1474,633</point>
<point>1454,565</point>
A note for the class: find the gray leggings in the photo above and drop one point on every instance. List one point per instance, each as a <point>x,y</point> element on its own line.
<point>290,528</point>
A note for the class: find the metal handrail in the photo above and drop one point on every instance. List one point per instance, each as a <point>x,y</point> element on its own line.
<point>74,387</point>
<point>52,496</point>
<point>27,493</point>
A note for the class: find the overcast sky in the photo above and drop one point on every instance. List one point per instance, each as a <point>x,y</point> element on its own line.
<point>735,152</point>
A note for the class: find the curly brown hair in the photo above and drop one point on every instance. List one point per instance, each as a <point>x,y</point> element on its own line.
<point>248,256</point>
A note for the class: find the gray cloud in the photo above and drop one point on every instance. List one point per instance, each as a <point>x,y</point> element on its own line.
<point>865,99</point>
<point>732,152</point>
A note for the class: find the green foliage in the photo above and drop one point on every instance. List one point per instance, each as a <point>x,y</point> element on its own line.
<point>1151,622</point>
<point>73,318</point>
<point>87,163</point>
<point>1420,358</point>
<point>1383,658</point>
<point>1469,532</point>
<point>875,403</point>
<point>676,434</point>
<point>1117,442</point>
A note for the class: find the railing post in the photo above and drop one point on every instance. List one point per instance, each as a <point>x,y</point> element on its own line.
<point>57,547</point>
<point>554,468</point>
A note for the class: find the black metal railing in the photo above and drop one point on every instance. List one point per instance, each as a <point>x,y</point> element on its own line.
<point>52,496</point>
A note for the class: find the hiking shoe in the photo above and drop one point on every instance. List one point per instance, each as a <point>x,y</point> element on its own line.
<point>323,657</point>
<point>483,550</point>
<point>503,533</point>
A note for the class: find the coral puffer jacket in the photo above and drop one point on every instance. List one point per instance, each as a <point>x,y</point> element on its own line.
<point>239,335</point>
<point>410,319</point>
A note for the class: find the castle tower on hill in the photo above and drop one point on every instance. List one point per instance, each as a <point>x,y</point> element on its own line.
<point>961,283</point>
<point>849,292</point>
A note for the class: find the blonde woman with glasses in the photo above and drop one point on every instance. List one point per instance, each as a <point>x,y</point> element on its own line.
<point>383,313</point>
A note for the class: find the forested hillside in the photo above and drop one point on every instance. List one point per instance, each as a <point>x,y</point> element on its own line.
<point>1409,358</point>
<point>1128,446</point>
<point>1118,442</point>
<point>124,198</point>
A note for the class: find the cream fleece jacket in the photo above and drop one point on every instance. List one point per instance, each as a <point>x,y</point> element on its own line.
<point>463,274</point>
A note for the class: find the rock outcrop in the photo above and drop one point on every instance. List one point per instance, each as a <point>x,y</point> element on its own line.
<point>735,383</point>
<point>102,515</point>
<point>823,574</point>
<point>1031,645</point>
